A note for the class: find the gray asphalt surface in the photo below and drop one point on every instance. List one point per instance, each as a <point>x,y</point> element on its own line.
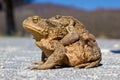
<point>16,54</point>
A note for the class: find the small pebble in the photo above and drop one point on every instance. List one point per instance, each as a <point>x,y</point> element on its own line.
<point>2,67</point>
<point>116,45</point>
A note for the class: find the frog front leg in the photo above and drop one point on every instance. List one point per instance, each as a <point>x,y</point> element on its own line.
<point>43,59</point>
<point>43,56</point>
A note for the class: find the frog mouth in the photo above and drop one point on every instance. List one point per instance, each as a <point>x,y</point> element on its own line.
<point>31,29</point>
<point>34,31</point>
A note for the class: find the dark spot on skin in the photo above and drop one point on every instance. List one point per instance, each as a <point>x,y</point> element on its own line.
<point>52,46</point>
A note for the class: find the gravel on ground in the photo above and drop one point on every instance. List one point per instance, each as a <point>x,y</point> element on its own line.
<point>16,54</point>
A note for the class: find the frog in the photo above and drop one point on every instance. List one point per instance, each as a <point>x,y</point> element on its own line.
<point>64,41</point>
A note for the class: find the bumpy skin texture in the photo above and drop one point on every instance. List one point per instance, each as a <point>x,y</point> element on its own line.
<point>64,42</point>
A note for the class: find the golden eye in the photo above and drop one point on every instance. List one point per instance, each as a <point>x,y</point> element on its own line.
<point>36,19</point>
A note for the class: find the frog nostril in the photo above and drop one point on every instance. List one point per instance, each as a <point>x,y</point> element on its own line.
<point>35,19</point>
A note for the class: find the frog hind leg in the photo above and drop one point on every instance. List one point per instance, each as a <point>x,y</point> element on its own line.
<point>38,62</point>
<point>89,65</point>
<point>57,58</point>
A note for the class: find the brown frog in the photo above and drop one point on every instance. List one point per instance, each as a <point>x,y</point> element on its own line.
<point>64,42</point>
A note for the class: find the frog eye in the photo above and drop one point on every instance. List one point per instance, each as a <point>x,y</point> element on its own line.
<point>35,19</point>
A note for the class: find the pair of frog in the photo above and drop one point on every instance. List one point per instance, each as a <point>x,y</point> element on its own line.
<point>64,41</point>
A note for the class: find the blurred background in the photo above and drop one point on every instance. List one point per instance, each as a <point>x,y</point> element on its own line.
<point>101,17</point>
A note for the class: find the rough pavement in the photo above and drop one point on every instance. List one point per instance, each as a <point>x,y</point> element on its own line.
<point>16,54</point>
